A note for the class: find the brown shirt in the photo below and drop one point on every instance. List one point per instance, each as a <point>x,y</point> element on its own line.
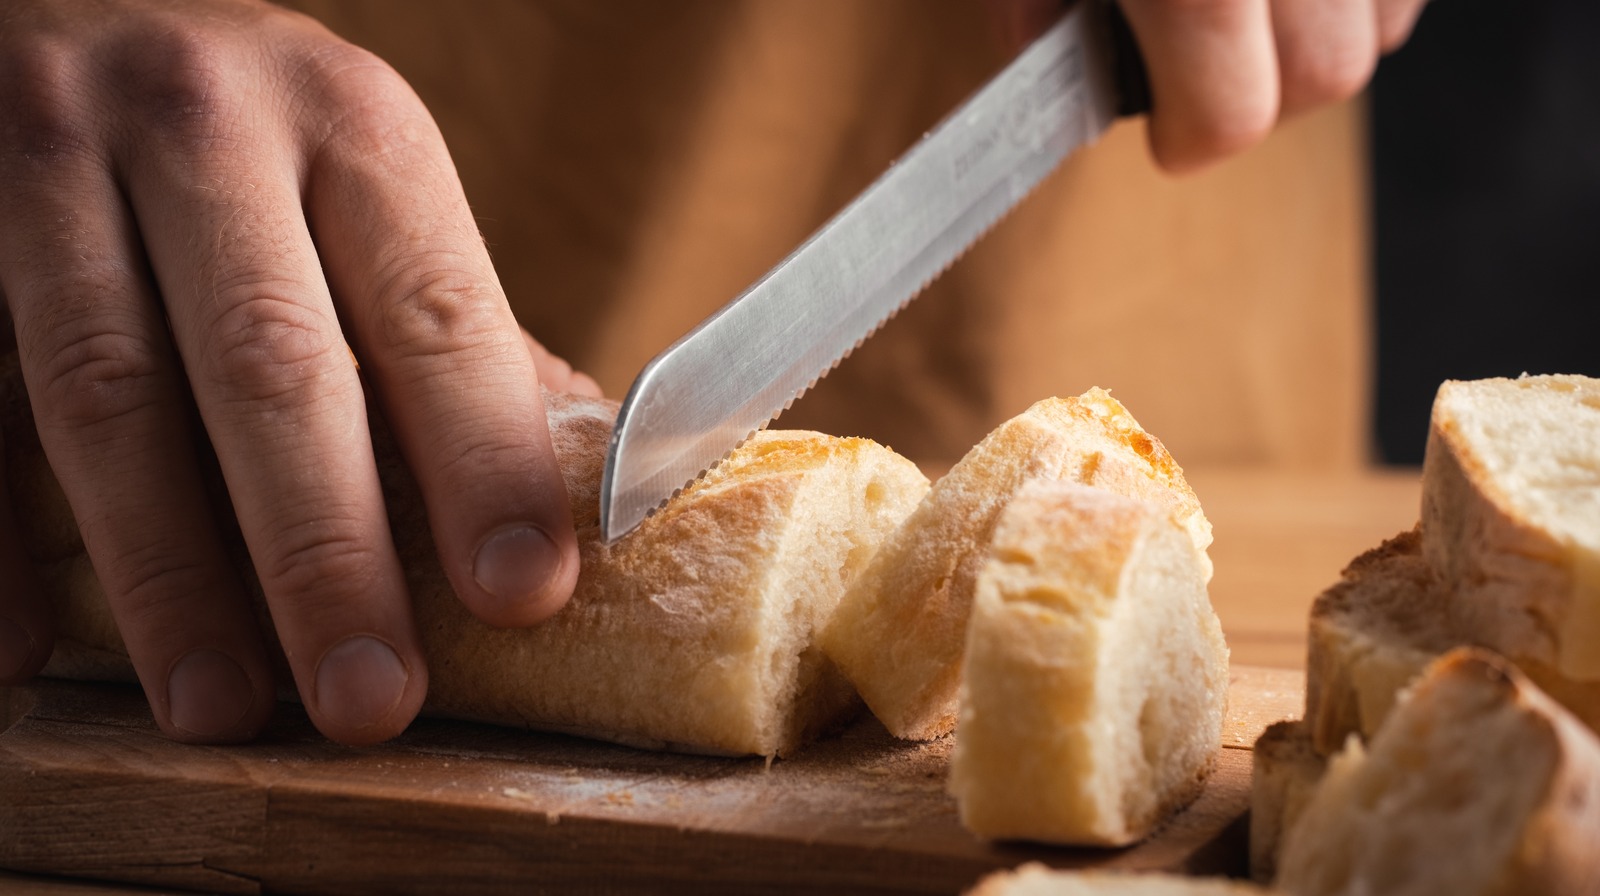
<point>635,164</point>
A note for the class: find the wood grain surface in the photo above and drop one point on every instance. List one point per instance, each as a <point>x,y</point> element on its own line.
<point>89,788</point>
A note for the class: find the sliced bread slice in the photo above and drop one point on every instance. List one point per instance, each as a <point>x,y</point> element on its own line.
<point>901,628</point>
<point>1284,772</point>
<point>1095,676</point>
<point>1370,635</point>
<point>1387,618</point>
<point>1511,514</point>
<point>1477,783</point>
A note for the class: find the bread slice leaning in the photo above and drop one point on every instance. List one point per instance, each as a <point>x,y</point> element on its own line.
<point>1511,514</point>
<point>1035,879</point>
<point>1382,624</point>
<point>1095,676</point>
<point>901,628</point>
<point>695,632</point>
<point>1284,772</point>
<point>1477,783</point>
<point>1370,634</point>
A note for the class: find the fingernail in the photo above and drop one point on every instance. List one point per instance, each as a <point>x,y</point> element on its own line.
<point>516,563</point>
<point>208,693</point>
<point>360,681</point>
<point>16,647</point>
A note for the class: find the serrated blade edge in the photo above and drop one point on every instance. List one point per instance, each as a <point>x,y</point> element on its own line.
<point>711,390</point>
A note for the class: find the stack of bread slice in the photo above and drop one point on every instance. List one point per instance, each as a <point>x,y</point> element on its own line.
<point>1050,592</point>
<point>1502,560</point>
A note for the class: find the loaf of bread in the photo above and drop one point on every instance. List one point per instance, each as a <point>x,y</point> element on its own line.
<point>1477,783</point>
<point>1284,771</point>
<point>1511,514</point>
<point>1034,879</point>
<point>694,632</point>
<point>901,628</point>
<point>1095,676</point>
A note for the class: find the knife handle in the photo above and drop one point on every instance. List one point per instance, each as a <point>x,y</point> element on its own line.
<point>1127,65</point>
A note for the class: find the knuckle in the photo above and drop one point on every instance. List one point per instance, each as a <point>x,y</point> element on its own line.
<point>1204,10</point>
<point>42,102</point>
<point>315,561</point>
<point>268,346</point>
<point>1327,77</point>
<point>477,456</point>
<point>183,81</point>
<point>439,312</point>
<point>146,582</point>
<point>358,100</point>
<point>91,377</point>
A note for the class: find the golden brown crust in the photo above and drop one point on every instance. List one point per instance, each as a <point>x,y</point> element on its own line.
<point>900,631</point>
<point>694,632</point>
<point>1497,785</point>
<point>1095,673</point>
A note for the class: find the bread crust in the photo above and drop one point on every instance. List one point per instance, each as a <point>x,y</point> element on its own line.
<point>900,631</point>
<point>1284,772</point>
<point>1445,743</point>
<point>692,633</point>
<point>1095,677</point>
<point>1529,580</point>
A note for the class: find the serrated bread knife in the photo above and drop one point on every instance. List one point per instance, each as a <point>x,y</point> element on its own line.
<point>745,364</point>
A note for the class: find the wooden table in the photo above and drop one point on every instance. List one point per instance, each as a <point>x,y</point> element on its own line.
<point>1280,538</point>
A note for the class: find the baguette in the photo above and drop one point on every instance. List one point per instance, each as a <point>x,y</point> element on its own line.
<point>900,630</point>
<point>1511,514</point>
<point>1034,879</point>
<point>695,632</point>
<point>1284,771</point>
<point>1095,676</point>
<point>1477,783</point>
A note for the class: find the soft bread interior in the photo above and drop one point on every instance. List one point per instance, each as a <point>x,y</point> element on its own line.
<point>1440,800</point>
<point>1095,672</point>
<point>1511,512</point>
<point>1537,440</point>
<point>1037,880</point>
<point>900,631</point>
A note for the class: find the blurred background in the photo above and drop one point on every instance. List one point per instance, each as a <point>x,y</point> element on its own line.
<point>634,165</point>
<point>1486,198</point>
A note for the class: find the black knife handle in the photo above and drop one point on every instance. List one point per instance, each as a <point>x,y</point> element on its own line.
<point>1127,65</point>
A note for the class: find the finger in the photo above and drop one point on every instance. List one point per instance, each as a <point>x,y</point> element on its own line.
<point>1019,21</point>
<point>27,625</point>
<point>1213,76</point>
<point>1326,51</point>
<point>112,419</point>
<point>556,374</point>
<point>273,382</point>
<point>1396,20</point>
<point>446,357</point>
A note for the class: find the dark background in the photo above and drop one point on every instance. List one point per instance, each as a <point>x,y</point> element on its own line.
<point>1486,163</point>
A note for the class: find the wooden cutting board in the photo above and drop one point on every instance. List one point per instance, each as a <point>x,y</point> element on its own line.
<point>88,787</point>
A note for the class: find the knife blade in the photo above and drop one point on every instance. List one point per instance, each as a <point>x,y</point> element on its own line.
<point>705,394</point>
